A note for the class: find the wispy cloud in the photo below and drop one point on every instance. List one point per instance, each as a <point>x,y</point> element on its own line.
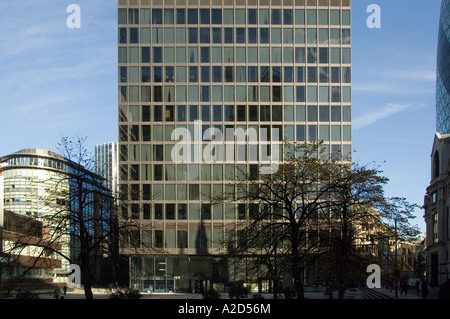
<point>388,110</point>
<point>55,79</point>
<point>419,78</point>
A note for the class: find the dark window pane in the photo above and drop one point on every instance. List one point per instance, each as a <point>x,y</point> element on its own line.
<point>205,74</point>
<point>157,54</point>
<point>229,74</point>
<point>228,34</point>
<point>122,35</point>
<point>253,113</point>
<point>264,113</point>
<point>192,16</point>
<point>193,113</point>
<point>170,211</point>
<point>301,94</point>
<point>206,113</point>
<point>133,16</point>
<point>206,211</point>
<point>181,16</point>
<point>241,113</point>
<point>276,74</point>
<point>276,16</point>
<point>217,35</point>
<point>277,113</point>
<point>264,35</point>
<point>157,74</point>
<point>193,74</point>
<point>204,16</point>
<point>157,113</point>
<point>312,74</point>
<point>193,35</point>
<point>170,114</point>
<point>157,16</point>
<point>252,35</point>
<point>158,154</point>
<point>252,16</point>
<point>182,211</point>
<point>287,16</point>
<point>276,94</point>
<point>146,132</point>
<point>217,74</point>
<point>323,55</point>
<point>134,35</point>
<point>204,54</point>
<point>181,113</point>
<point>169,74</point>
<point>252,74</point>
<point>240,35</point>
<point>205,35</point>
<point>229,113</point>
<point>217,113</point>
<point>216,16</point>
<point>288,74</point>
<point>145,54</point>
<point>158,214</point>
<point>146,113</point>
<point>123,74</point>
<point>265,74</point>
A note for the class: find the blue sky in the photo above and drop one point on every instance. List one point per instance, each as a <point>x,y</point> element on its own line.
<point>56,81</point>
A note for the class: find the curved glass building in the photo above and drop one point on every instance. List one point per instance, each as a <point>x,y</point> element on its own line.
<point>32,181</point>
<point>443,72</point>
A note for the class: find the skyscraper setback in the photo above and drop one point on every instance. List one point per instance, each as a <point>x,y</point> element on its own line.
<point>205,68</point>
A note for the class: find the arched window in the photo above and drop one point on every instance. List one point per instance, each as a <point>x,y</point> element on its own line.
<point>436,171</point>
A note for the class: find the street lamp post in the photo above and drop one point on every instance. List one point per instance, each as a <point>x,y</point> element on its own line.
<point>396,260</point>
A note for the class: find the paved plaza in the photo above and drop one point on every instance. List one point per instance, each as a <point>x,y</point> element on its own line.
<point>350,294</point>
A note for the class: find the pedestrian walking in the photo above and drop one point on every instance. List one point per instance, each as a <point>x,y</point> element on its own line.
<point>404,287</point>
<point>417,286</point>
<point>424,288</point>
<point>57,292</point>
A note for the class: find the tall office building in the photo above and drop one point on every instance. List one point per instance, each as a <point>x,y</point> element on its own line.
<point>437,201</point>
<point>209,72</point>
<point>107,164</point>
<point>443,71</point>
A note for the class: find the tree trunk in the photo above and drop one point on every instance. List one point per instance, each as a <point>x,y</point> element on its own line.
<point>297,276</point>
<point>86,279</point>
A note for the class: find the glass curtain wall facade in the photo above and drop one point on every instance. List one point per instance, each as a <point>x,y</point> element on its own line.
<point>443,71</point>
<point>106,165</point>
<point>205,66</point>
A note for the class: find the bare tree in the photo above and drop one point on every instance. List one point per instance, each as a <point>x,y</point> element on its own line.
<point>310,208</point>
<point>286,203</point>
<point>80,216</point>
